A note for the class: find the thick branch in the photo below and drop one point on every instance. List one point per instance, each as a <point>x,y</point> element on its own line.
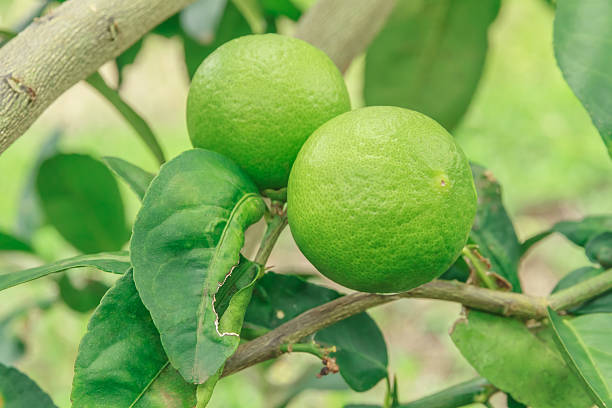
<point>62,48</point>
<point>343,28</point>
<point>504,303</point>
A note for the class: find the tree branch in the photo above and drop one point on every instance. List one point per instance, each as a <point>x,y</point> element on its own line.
<point>61,48</point>
<point>504,303</point>
<point>343,28</point>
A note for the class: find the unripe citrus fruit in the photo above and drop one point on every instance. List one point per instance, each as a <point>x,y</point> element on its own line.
<point>381,199</point>
<point>257,98</point>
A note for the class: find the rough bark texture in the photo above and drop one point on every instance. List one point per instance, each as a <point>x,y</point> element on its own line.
<point>343,28</point>
<point>60,49</point>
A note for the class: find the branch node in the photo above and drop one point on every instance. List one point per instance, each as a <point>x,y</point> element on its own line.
<point>113,28</point>
<point>19,87</point>
<point>329,367</point>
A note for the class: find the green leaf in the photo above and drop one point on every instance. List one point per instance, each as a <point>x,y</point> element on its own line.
<point>187,239</point>
<point>126,58</point>
<point>512,403</point>
<point>200,19</point>
<point>81,199</point>
<point>583,49</point>
<point>83,299</point>
<point>12,347</point>
<point>121,361</point>
<point>277,8</point>
<point>459,271</point>
<point>18,391</point>
<point>29,214</point>
<point>113,262</point>
<point>429,57</point>
<point>169,28</point>
<point>135,177</point>
<point>580,232</point>
<point>455,396</point>
<point>599,249</point>
<point>493,230</point>
<point>140,126</point>
<point>361,350</point>
<point>513,359</point>
<point>10,243</point>
<point>232,25</point>
<point>585,344</point>
<point>599,304</point>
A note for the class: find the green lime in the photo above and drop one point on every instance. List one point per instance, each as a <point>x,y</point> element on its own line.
<point>257,98</point>
<point>381,199</point>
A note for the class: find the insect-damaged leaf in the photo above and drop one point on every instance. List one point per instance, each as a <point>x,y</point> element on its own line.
<point>187,239</point>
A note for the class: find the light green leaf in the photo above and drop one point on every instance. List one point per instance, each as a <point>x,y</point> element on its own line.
<point>187,239</point>
<point>513,359</point>
<point>429,57</point>
<point>19,391</point>
<point>455,396</point>
<point>80,198</point>
<point>135,177</point>
<point>493,230</point>
<point>583,50</point>
<point>113,262</point>
<point>121,361</point>
<point>585,343</point>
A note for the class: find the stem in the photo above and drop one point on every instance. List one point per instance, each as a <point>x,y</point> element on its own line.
<point>277,221</point>
<point>581,292</point>
<point>310,348</point>
<point>503,303</point>
<point>141,127</point>
<point>480,268</point>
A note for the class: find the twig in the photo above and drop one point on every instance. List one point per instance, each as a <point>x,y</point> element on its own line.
<point>504,303</point>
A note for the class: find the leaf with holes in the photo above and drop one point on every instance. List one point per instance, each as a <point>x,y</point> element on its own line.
<point>585,344</point>
<point>113,262</point>
<point>121,361</point>
<point>493,230</point>
<point>429,57</point>
<point>80,198</point>
<point>187,239</point>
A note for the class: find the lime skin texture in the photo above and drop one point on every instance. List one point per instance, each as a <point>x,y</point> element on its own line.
<point>257,98</point>
<point>381,199</point>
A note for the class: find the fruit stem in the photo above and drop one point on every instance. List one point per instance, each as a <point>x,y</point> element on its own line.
<point>310,348</point>
<point>277,221</point>
<point>480,267</point>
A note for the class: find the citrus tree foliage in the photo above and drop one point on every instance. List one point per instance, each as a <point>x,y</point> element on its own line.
<point>187,307</point>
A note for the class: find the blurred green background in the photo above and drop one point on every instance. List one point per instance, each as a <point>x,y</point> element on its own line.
<point>524,124</point>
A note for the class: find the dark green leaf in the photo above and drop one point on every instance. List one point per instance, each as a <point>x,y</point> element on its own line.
<point>127,58</point>
<point>140,126</point>
<point>82,299</point>
<point>429,57</point>
<point>493,230</point>
<point>599,304</point>
<point>29,214</point>
<point>459,271</point>
<point>277,8</point>
<point>200,19</point>
<point>121,361</point>
<point>187,239</point>
<point>512,403</point>
<point>584,52</point>
<point>113,262</point>
<point>455,396</point>
<point>10,243</point>
<point>19,391</point>
<point>580,232</point>
<point>513,359</point>
<point>361,352</point>
<point>169,28</point>
<point>585,344</point>
<point>81,199</point>
<point>232,25</point>
<point>599,249</point>
<point>134,176</point>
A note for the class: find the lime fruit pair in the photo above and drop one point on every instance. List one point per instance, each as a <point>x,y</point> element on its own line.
<point>379,199</point>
